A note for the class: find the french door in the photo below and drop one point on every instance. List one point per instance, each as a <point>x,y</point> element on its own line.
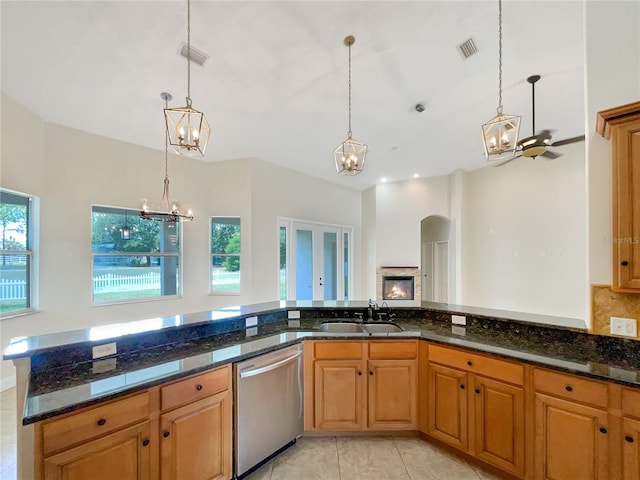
<point>317,262</point>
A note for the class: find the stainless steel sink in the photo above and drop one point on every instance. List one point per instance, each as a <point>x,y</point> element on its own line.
<point>381,327</point>
<point>341,327</point>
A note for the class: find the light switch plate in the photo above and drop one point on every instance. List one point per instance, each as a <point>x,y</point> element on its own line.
<point>627,327</point>
<point>293,314</point>
<point>105,350</point>
<point>458,319</point>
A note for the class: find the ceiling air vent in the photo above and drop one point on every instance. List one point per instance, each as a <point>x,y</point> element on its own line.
<point>196,55</point>
<point>467,48</point>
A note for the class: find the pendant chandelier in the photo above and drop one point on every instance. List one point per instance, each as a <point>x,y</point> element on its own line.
<point>500,134</point>
<point>350,154</point>
<point>168,210</point>
<point>187,128</point>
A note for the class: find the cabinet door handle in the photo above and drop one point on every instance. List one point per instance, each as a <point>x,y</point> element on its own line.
<point>359,373</point>
<point>629,439</point>
<point>370,372</point>
<point>624,263</point>
<point>165,434</point>
<point>469,362</point>
<point>462,386</point>
<point>198,387</point>
<point>569,388</point>
<point>603,430</point>
<point>145,442</point>
<point>101,422</point>
<point>477,390</point>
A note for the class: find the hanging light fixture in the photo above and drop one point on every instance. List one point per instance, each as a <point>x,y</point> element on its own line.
<point>187,128</point>
<point>125,232</point>
<point>171,214</point>
<point>500,134</point>
<point>350,154</point>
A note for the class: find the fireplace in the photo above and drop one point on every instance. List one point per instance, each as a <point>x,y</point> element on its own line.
<point>398,285</point>
<point>397,288</point>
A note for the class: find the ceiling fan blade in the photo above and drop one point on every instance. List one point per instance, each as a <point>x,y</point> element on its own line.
<point>550,155</point>
<point>567,141</point>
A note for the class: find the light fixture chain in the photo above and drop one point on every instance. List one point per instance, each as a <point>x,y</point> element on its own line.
<point>349,91</point>
<point>499,57</point>
<point>189,49</point>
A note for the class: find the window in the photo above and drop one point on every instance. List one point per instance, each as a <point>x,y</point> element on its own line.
<point>17,283</point>
<point>225,255</point>
<point>283,259</point>
<point>133,259</point>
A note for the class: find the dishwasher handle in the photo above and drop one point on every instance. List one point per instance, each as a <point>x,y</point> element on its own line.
<point>268,368</point>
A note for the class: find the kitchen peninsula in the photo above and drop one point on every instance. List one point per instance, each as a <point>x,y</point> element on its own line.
<point>542,362</point>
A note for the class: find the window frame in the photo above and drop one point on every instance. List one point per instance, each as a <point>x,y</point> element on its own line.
<point>135,213</point>
<point>224,254</point>
<point>31,252</point>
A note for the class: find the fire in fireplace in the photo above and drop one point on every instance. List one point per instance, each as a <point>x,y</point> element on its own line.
<point>397,288</point>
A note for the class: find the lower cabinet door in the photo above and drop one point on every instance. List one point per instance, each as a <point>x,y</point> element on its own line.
<point>392,394</point>
<point>498,411</point>
<point>571,440</point>
<point>631,449</point>
<point>122,455</point>
<point>339,395</point>
<point>447,418</point>
<point>196,440</point>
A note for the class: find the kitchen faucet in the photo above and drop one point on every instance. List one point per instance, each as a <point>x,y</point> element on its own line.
<point>372,306</point>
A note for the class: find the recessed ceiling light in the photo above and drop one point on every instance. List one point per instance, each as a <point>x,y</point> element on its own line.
<point>383,180</point>
<point>416,175</point>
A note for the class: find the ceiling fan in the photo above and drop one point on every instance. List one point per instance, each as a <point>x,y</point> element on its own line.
<point>537,145</point>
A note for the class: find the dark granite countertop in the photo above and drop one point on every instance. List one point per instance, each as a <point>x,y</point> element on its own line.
<point>64,377</point>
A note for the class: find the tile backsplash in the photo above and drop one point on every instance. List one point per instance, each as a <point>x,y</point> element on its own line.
<point>606,303</point>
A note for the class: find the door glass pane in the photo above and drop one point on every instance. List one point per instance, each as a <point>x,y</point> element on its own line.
<point>304,265</point>
<point>330,264</point>
<point>283,263</point>
<point>346,266</point>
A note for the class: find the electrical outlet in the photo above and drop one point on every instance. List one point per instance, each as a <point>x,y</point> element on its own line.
<point>105,350</point>
<point>251,322</point>
<point>627,327</point>
<point>293,314</point>
<point>458,319</point>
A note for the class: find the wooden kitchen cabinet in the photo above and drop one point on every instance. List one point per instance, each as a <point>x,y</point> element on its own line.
<point>360,385</point>
<point>123,455</point>
<point>196,435</point>
<point>339,394</point>
<point>630,449</point>
<point>622,126</point>
<point>102,443</point>
<point>572,431</point>
<point>477,404</point>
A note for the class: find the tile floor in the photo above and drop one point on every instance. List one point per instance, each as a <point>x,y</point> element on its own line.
<point>311,458</point>
<point>367,458</point>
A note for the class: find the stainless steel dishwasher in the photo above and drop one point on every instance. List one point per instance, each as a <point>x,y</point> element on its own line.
<point>268,406</point>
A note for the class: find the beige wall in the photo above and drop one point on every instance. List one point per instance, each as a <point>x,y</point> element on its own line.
<point>71,170</point>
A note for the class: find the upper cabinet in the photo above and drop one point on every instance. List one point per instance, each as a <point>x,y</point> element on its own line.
<point>622,126</point>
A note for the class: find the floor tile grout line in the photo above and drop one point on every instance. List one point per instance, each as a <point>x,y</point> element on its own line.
<point>395,444</point>
<point>335,439</point>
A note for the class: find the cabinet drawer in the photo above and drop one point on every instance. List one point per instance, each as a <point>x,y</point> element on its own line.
<point>393,350</point>
<point>338,350</point>
<point>89,424</point>
<point>631,402</point>
<point>471,362</point>
<point>195,388</point>
<point>571,387</point>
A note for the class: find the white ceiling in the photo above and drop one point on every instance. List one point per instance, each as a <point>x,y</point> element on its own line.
<point>275,85</point>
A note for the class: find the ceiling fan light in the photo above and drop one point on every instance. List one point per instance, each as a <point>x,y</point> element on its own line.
<point>500,137</point>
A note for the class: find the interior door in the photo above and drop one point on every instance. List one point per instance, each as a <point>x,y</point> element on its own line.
<point>316,261</point>
<point>427,271</point>
<point>441,272</point>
